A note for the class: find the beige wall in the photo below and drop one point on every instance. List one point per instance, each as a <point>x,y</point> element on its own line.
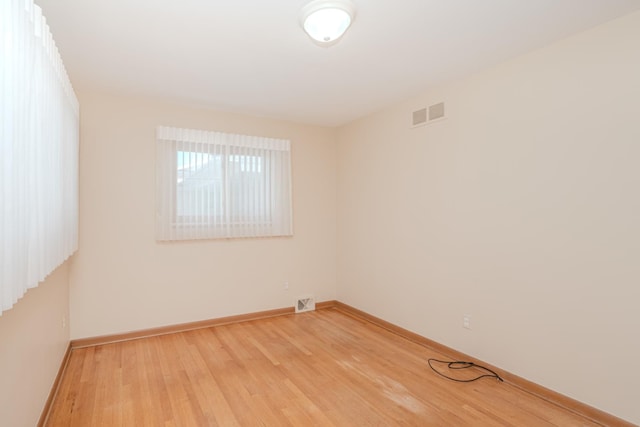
<point>32,344</point>
<point>123,280</point>
<point>521,209</point>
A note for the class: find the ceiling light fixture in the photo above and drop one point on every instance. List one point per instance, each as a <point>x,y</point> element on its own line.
<point>325,21</point>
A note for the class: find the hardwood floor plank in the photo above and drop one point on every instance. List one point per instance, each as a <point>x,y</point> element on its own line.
<point>322,368</point>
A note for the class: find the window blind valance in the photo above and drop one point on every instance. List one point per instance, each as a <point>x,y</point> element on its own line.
<point>221,138</point>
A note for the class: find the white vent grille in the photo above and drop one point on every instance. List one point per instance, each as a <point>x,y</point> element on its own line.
<point>425,116</point>
<point>436,111</point>
<point>419,117</point>
<point>305,303</point>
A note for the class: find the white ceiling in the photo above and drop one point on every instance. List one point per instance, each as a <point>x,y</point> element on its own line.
<point>252,57</point>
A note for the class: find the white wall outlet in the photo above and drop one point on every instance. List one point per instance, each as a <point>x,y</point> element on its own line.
<point>466,321</point>
<point>286,286</point>
<point>64,322</point>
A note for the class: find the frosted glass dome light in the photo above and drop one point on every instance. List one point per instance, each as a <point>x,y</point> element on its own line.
<point>325,21</point>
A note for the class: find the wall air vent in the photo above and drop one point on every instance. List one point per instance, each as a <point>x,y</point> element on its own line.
<point>436,111</point>
<point>419,117</point>
<point>305,303</point>
<point>425,116</point>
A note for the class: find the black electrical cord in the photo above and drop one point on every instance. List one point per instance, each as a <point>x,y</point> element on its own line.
<point>463,365</point>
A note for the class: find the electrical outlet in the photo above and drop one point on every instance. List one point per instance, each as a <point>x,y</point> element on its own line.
<point>286,286</point>
<point>64,322</point>
<point>466,321</point>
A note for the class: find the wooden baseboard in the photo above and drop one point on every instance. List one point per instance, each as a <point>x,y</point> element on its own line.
<point>54,388</point>
<point>326,304</point>
<point>182,327</point>
<point>539,391</point>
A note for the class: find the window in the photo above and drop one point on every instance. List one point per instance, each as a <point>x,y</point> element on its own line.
<point>217,185</point>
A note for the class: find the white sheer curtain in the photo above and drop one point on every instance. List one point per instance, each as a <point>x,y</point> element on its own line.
<point>38,153</point>
<point>218,185</point>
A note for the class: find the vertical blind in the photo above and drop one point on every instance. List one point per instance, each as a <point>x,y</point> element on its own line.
<point>220,185</point>
<point>38,153</point>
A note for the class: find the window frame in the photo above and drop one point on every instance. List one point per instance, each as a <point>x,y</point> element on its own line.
<point>259,220</point>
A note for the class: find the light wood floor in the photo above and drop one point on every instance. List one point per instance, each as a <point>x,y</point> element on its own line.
<point>321,368</point>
